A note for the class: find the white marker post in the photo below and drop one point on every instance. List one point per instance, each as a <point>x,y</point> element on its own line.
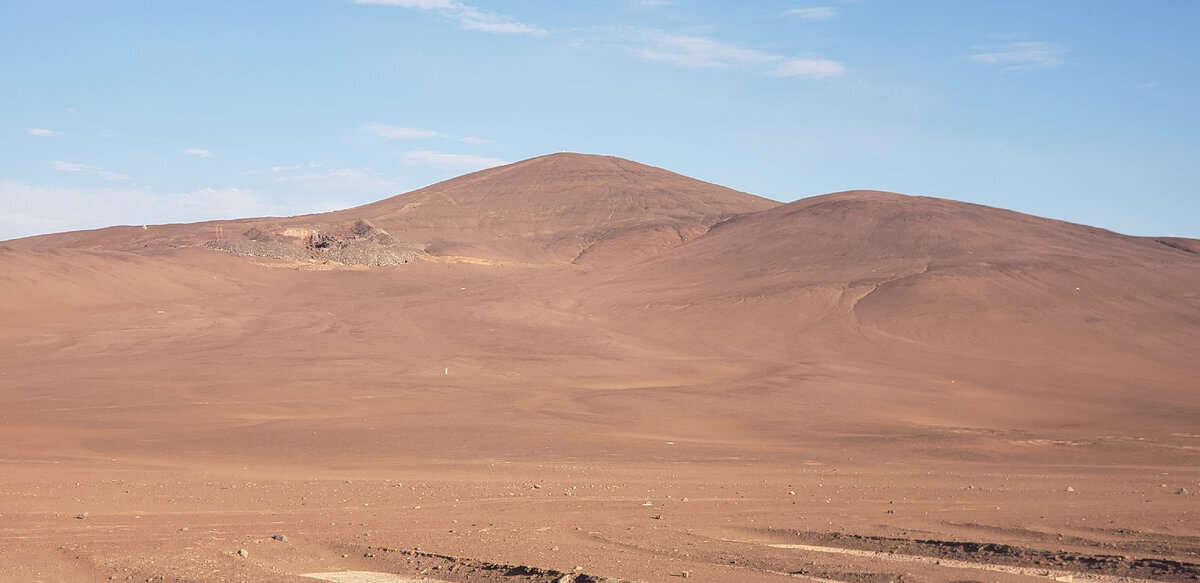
<point>447,371</point>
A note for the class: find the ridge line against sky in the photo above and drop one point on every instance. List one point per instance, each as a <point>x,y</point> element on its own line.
<point>135,113</point>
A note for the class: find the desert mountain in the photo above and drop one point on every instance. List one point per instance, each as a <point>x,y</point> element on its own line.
<point>552,209</point>
<point>581,360</point>
<point>931,303</point>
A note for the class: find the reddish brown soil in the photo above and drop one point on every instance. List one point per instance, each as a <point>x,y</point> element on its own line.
<point>597,364</point>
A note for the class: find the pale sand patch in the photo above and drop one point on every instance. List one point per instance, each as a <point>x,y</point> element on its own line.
<point>366,577</point>
<point>1057,575</point>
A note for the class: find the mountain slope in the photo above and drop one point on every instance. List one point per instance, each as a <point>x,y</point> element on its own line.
<point>913,293</point>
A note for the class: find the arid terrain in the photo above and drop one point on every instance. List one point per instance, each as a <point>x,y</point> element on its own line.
<point>581,368</point>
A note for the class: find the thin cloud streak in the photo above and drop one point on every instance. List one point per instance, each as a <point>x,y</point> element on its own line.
<point>399,133</point>
<point>201,152</point>
<point>336,180</point>
<point>40,132</point>
<point>808,68</point>
<point>89,169</point>
<point>1020,56</point>
<point>448,161</point>
<point>813,12</point>
<point>695,52</point>
<point>699,52</point>
<point>467,17</point>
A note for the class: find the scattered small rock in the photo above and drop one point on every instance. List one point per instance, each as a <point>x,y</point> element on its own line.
<point>1181,491</point>
<point>84,515</point>
<point>685,574</point>
<point>1070,489</point>
<point>281,538</point>
<point>243,553</point>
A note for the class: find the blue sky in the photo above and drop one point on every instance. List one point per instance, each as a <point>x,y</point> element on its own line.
<point>134,112</point>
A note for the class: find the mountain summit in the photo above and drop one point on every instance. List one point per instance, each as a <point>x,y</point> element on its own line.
<point>560,207</point>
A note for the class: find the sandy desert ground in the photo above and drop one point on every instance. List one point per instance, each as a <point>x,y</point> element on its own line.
<point>580,368</point>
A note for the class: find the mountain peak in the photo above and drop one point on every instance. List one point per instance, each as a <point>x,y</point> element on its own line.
<point>560,207</point>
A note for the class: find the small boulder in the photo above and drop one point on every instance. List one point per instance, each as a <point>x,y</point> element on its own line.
<point>281,538</point>
<point>243,553</point>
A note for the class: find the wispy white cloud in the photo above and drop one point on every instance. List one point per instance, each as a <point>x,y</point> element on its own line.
<point>399,133</point>
<point>1154,88</point>
<point>700,52</point>
<point>446,161</point>
<point>653,4</point>
<point>808,68</point>
<point>405,133</point>
<point>101,172</point>
<point>1020,56</point>
<point>468,17</point>
<point>282,168</point>
<point>33,210</point>
<point>40,132</point>
<point>693,51</point>
<point>337,187</point>
<point>278,169</point>
<point>335,180</point>
<point>813,12</point>
<point>72,167</point>
<point>204,204</point>
<point>201,152</point>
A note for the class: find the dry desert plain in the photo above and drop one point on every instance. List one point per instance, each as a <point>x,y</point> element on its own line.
<point>580,368</point>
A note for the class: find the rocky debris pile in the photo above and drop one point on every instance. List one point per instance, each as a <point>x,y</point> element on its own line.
<point>358,244</point>
<point>423,564</point>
